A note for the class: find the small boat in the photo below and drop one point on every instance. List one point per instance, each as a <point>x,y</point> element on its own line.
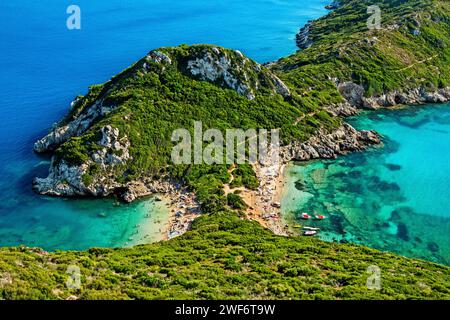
<point>310,233</point>
<point>320,217</point>
<point>306,216</point>
<point>311,229</point>
<point>297,226</point>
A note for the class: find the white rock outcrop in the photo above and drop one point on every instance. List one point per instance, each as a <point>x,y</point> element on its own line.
<point>68,180</point>
<point>74,128</point>
<point>233,71</point>
<point>63,180</point>
<point>114,151</point>
<point>325,145</point>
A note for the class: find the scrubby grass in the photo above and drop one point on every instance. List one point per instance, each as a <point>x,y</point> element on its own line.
<point>385,60</point>
<point>223,257</point>
<point>155,101</point>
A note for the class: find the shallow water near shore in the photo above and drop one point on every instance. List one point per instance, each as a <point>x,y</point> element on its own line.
<point>395,198</point>
<point>44,66</point>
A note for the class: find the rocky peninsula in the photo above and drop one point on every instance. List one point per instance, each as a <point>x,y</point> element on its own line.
<point>115,141</point>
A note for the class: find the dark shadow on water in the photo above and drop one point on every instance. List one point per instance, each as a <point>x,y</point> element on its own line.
<point>433,247</point>
<point>402,232</point>
<point>300,185</point>
<point>393,167</point>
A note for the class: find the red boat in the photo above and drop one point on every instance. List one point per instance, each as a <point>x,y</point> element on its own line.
<point>306,216</point>
<point>320,217</point>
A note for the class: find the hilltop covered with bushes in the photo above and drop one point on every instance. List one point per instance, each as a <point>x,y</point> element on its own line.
<point>222,257</point>
<point>120,132</point>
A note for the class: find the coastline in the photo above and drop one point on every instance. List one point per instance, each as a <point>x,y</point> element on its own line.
<point>167,216</point>
<point>150,226</point>
<point>264,204</point>
<point>387,211</point>
<point>183,209</point>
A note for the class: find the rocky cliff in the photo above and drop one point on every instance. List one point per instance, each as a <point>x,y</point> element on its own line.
<point>355,96</point>
<point>117,138</point>
<point>325,145</point>
<point>99,147</point>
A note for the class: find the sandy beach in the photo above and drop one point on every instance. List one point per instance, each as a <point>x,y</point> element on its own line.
<point>264,204</point>
<point>183,210</point>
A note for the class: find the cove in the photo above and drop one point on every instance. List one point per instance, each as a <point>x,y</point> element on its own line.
<point>45,65</point>
<point>395,197</point>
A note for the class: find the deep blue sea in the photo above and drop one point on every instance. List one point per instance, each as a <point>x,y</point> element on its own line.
<point>43,66</point>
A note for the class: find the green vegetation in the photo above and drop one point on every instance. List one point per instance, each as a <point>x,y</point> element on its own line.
<point>151,99</point>
<point>223,257</point>
<point>235,201</point>
<point>392,58</point>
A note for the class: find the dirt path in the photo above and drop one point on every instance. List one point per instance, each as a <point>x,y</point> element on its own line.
<point>311,114</point>
<point>416,63</point>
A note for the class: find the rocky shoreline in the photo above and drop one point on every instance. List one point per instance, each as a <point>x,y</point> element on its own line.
<point>303,37</point>
<point>325,145</point>
<point>265,202</point>
<point>355,98</point>
<point>94,168</point>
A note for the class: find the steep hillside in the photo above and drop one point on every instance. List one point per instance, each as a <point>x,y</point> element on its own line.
<point>347,65</point>
<point>223,257</point>
<point>120,132</point>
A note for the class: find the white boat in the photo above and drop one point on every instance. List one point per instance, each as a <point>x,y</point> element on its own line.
<point>311,229</point>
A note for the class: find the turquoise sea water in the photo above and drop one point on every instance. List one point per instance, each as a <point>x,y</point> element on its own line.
<point>394,198</point>
<point>43,66</point>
